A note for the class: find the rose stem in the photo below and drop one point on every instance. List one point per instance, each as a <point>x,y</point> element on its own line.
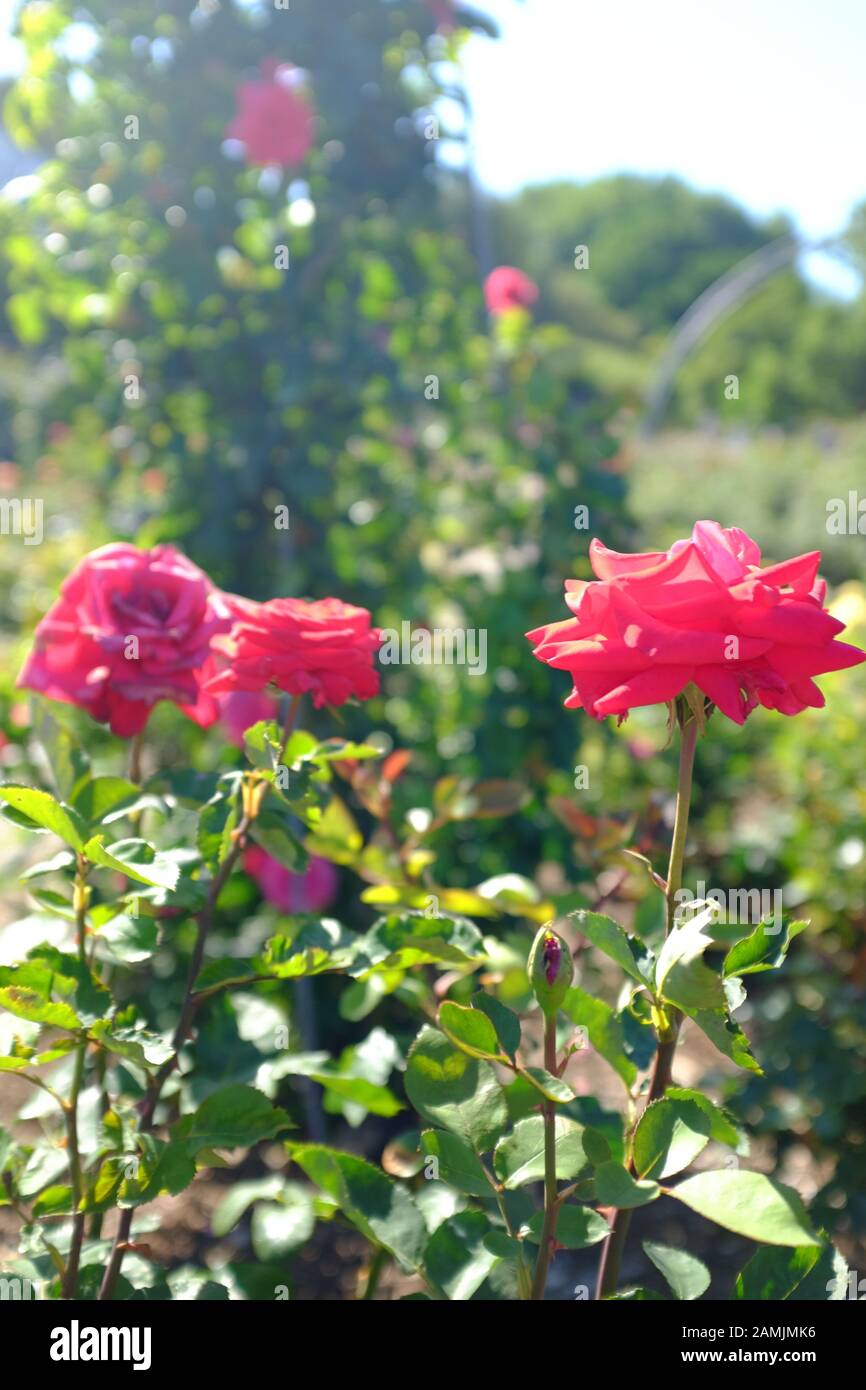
<point>70,1107</point>
<point>136,744</point>
<point>288,726</point>
<point>551,1205</point>
<point>608,1273</point>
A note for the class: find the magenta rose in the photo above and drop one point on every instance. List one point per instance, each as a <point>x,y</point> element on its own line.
<point>703,612</point>
<point>241,709</point>
<point>508,288</point>
<point>311,891</point>
<point>130,627</point>
<point>274,120</point>
<point>326,649</point>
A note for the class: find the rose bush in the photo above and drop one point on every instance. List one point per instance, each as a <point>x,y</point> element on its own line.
<point>488,1076</point>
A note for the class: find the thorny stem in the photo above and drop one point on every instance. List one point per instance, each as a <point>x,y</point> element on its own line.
<point>551,1205</point>
<point>608,1273</point>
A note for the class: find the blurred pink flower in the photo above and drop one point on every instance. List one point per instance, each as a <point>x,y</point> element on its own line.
<point>241,709</point>
<point>508,288</point>
<point>274,120</point>
<point>311,891</point>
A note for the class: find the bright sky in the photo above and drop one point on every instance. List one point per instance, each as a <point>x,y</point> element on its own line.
<point>761,99</point>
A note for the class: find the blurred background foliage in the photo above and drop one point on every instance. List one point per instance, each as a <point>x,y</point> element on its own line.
<point>432,457</point>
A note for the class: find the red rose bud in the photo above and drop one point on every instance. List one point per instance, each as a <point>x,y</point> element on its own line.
<point>550,969</point>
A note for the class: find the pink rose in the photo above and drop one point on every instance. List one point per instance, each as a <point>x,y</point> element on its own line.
<point>325,648</point>
<point>311,891</point>
<point>507,288</point>
<point>240,710</point>
<point>274,121</point>
<point>704,612</point>
<point>130,627</point>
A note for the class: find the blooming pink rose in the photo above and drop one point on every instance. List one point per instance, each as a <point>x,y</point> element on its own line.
<point>311,891</point>
<point>705,612</point>
<point>130,627</point>
<point>241,709</point>
<point>274,121</point>
<point>507,288</point>
<point>326,648</point>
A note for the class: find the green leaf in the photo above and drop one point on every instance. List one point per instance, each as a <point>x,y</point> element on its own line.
<point>629,952</point>
<point>774,1272</point>
<point>687,1275</point>
<point>358,1089</point>
<point>136,1045</point>
<point>615,1187</point>
<point>669,1136</point>
<point>278,1228</point>
<point>235,1116</point>
<point>765,949</point>
<point>216,822</point>
<point>335,750</point>
<point>457,1259</point>
<point>727,1035</point>
<point>26,1058</point>
<point>470,1030</point>
<point>551,1087</point>
<point>136,859</point>
<point>63,859</point>
<point>723,1127</point>
<point>336,836</point>
<point>129,939</point>
<point>577,1227</point>
<point>681,976</point>
<point>604,1030</point>
<point>504,1020</point>
<point>104,799</point>
<point>262,744</point>
<point>38,810</point>
<point>519,1158</point>
<point>52,1201</point>
<point>58,976</point>
<point>241,1196</point>
<point>380,1208</point>
<point>458,1165</point>
<point>26,991</point>
<point>272,830</point>
<point>455,1091</point>
<point>166,1167</point>
<point>402,940</point>
<point>750,1204</point>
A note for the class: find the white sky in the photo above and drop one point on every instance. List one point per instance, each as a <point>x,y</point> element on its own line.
<point>764,100</point>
